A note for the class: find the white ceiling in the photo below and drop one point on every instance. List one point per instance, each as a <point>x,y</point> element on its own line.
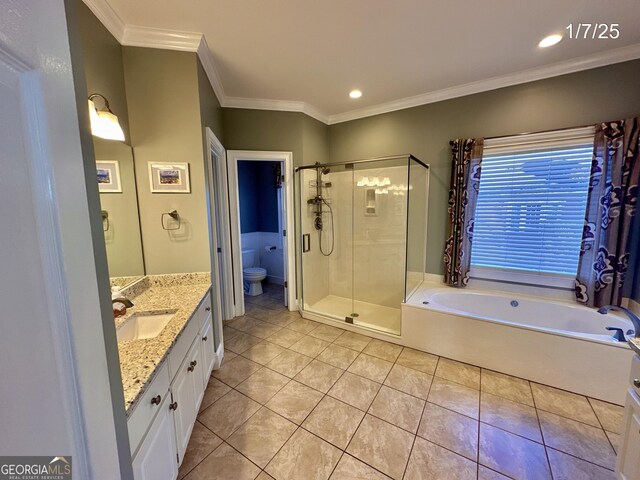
<point>398,52</point>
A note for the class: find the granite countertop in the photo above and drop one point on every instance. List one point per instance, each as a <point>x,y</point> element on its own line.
<point>634,343</point>
<point>139,359</point>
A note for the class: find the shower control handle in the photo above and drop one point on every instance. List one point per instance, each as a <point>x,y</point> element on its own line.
<point>306,242</point>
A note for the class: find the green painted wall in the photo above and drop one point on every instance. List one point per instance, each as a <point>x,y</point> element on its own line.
<point>166,126</point>
<point>571,100</point>
<point>103,68</point>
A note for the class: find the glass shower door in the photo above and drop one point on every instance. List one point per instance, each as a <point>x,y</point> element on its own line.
<point>379,238</point>
<point>326,229</point>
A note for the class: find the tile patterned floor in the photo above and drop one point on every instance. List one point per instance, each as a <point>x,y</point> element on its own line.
<point>299,400</point>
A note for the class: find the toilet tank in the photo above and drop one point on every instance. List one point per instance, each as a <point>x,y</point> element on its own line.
<point>248,258</point>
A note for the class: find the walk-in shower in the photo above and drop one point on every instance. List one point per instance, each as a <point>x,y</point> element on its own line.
<point>363,238</point>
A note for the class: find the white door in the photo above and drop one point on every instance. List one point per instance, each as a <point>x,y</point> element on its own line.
<point>54,372</point>
<point>220,242</point>
<point>156,459</point>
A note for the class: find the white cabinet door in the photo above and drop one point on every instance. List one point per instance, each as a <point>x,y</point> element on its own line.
<point>156,459</point>
<point>629,456</point>
<point>186,392</point>
<point>208,352</point>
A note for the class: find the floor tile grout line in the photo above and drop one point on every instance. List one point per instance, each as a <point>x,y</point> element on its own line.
<point>546,453</point>
<point>458,383</point>
<point>601,426</point>
<point>579,458</point>
<point>359,352</point>
<point>415,434</point>
<point>404,473</point>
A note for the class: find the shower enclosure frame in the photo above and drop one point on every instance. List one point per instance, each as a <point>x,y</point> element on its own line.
<point>301,202</point>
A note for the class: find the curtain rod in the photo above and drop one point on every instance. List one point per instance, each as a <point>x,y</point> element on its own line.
<point>531,133</point>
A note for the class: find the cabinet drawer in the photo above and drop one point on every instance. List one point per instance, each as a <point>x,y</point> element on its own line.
<point>142,416</point>
<point>634,379</point>
<point>180,349</point>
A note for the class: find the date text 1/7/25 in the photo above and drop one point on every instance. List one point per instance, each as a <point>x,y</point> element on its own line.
<point>594,31</point>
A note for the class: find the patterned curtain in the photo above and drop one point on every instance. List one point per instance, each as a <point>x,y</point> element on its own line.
<point>465,182</point>
<point>611,206</point>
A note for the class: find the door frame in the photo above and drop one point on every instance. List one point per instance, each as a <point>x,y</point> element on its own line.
<point>218,203</point>
<point>289,254</point>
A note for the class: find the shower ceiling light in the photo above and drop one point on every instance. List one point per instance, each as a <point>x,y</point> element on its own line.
<point>355,93</point>
<point>550,40</point>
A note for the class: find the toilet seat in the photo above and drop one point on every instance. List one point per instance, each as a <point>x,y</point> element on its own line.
<point>252,278</point>
<point>253,272</point>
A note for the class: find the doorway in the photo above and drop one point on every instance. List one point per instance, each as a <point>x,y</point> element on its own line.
<point>261,215</point>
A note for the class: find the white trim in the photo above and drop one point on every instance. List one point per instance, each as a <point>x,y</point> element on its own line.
<point>46,210</point>
<point>233,157</point>
<point>108,17</point>
<point>276,105</point>
<point>220,203</point>
<point>219,355</point>
<point>618,55</point>
<point>209,66</point>
<point>136,36</point>
<point>186,41</point>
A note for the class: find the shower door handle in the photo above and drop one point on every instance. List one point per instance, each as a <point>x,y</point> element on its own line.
<point>306,242</point>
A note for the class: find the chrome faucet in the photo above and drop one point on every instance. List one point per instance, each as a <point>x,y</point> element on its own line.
<point>632,316</point>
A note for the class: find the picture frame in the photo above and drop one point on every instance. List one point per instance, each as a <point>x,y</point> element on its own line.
<point>108,176</point>
<point>169,177</point>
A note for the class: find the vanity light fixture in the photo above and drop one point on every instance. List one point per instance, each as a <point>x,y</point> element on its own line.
<point>104,123</point>
<point>550,40</point>
<point>355,94</point>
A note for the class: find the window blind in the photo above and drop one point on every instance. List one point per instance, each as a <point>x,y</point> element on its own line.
<point>531,205</point>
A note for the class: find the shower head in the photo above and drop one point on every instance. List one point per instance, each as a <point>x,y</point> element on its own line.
<point>326,170</point>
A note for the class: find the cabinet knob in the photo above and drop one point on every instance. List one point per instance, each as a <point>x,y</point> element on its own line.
<point>208,309</point>
<point>173,406</point>
<point>156,400</point>
<point>192,365</point>
<point>636,382</point>
<point>204,339</point>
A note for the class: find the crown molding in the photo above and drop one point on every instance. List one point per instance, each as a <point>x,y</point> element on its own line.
<point>108,17</point>
<point>618,55</point>
<point>208,64</point>
<point>138,36</point>
<point>277,105</point>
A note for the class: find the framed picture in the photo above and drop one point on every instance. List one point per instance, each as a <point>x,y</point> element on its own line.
<point>108,176</point>
<point>169,177</point>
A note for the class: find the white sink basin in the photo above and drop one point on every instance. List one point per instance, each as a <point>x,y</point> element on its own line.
<point>143,325</point>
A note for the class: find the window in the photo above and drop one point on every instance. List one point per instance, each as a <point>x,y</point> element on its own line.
<point>531,206</point>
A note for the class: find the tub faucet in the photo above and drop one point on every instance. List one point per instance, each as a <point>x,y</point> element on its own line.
<point>632,316</point>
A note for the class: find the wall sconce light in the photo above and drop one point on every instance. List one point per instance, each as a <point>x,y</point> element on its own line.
<point>104,123</point>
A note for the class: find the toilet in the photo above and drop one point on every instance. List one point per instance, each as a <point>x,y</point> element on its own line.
<point>252,276</point>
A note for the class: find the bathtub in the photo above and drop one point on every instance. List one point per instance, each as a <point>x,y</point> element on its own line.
<point>564,345</point>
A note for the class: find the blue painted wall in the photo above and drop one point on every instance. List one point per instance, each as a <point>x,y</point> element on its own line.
<point>258,198</point>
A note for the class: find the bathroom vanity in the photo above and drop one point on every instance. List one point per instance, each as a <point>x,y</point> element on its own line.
<point>164,376</point>
<point>628,466</point>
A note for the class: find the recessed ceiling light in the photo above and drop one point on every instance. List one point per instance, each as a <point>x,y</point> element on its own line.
<point>355,93</point>
<point>550,40</point>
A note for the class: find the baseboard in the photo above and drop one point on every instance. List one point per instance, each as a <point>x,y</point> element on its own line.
<point>275,279</point>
